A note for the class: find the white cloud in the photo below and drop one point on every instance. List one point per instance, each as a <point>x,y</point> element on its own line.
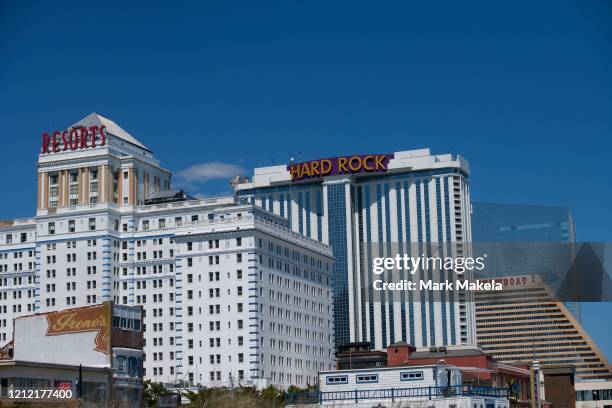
<point>203,172</point>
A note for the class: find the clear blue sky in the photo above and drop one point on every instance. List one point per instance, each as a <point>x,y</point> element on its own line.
<point>522,89</point>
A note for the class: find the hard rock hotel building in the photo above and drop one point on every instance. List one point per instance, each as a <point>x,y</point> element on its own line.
<point>230,294</point>
<point>379,205</point>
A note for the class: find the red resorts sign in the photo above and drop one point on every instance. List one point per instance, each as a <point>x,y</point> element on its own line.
<point>369,163</point>
<point>73,139</point>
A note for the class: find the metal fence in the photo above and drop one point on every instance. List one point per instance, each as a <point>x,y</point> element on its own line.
<point>395,393</point>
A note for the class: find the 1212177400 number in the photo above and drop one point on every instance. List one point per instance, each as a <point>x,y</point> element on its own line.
<point>29,393</point>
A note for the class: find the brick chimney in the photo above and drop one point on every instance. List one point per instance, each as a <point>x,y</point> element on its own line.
<point>399,353</point>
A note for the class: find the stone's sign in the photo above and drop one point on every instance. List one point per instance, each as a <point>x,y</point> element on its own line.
<point>73,139</point>
<point>80,320</point>
<point>369,163</point>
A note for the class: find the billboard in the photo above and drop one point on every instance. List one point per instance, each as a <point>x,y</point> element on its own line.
<point>71,336</point>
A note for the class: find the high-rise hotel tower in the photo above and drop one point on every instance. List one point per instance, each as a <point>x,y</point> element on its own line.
<point>377,205</point>
<point>230,295</point>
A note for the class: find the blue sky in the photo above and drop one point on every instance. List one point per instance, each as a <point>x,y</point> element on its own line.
<point>522,89</point>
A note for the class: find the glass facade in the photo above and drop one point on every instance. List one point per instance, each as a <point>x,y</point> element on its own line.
<point>336,205</point>
<point>520,223</point>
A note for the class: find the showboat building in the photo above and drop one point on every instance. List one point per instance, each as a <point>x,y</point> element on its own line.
<point>231,295</point>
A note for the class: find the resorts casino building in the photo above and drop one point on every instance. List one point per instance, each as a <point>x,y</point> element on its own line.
<point>230,295</point>
<point>376,205</point>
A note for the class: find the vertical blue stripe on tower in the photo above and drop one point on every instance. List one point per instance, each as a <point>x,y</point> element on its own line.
<point>368,269</point>
<point>442,272</point>
<point>300,213</point>
<point>289,208</point>
<point>383,308</point>
<point>282,205</point>
<point>307,208</point>
<point>432,325</point>
<point>336,198</point>
<point>420,239</point>
<point>409,253</point>
<point>319,216</point>
<point>358,200</point>
<point>451,295</point>
<point>388,242</point>
<point>400,247</point>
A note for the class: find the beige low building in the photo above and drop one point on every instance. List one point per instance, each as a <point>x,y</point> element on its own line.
<point>25,375</point>
<point>525,322</point>
<point>594,394</point>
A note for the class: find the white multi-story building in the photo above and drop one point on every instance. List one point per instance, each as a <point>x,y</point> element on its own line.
<point>368,206</point>
<point>230,294</point>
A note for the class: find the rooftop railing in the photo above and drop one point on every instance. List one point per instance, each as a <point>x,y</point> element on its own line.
<point>392,394</point>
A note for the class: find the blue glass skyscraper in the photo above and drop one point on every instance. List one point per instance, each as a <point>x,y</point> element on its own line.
<point>520,223</point>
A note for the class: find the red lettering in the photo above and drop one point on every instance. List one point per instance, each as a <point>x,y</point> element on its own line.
<point>83,138</point>
<point>74,139</point>
<point>103,135</point>
<point>64,141</point>
<point>93,130</point>
<point>45,142</point>
<point>54,145</point>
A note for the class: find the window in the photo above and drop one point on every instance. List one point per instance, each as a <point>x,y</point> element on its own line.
<point>71,226</point>
<point>92,224</point>
<point>145,224</point>
<point>239,241</point>
<point>411,376</point>
<point>51,228</point>
<point>336,379</point>
<point>366,378</point>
